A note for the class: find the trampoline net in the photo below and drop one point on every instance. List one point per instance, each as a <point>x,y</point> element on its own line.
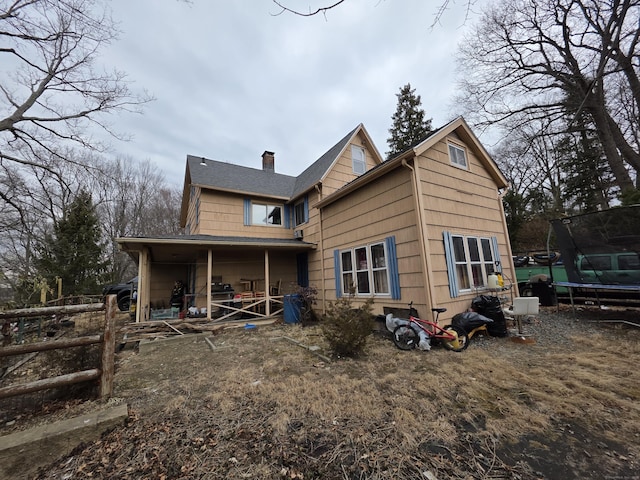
<point>601,247</point>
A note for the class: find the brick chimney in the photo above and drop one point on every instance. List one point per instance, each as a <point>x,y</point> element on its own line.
<point>268,161</point>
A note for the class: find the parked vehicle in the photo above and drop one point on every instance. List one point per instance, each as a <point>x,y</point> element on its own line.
<point>609,268</point>
<point>123,292</point>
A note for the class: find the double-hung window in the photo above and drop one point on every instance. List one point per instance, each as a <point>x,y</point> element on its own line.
<point>470,260</point>
<point>358,160</point>
<point>365,269</point>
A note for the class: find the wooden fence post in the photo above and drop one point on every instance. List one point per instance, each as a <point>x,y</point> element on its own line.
<point>108,347</point>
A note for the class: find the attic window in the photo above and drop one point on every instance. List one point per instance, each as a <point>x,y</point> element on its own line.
<point>358,160</point>
<point>458,156</point>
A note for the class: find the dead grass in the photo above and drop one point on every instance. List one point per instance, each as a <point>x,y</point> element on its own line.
<point>259,407</point>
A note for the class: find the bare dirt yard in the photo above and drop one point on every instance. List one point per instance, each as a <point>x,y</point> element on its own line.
<point>257,406</point>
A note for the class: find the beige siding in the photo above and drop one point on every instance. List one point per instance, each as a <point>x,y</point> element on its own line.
<point>342,171</point>
<point>385,208</point>
<point>163,279</point>
<point>463,202</point>
<point>223,214</point>
<point>191,211</point>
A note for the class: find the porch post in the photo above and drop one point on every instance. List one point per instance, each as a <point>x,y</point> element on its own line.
<point>267,293</point>
<point>139,294</point>
<point>208,282</point>
<point>144,286</point>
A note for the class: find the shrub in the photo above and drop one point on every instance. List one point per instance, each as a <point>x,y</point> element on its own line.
<point>308,297</point>
<point>345,328</point>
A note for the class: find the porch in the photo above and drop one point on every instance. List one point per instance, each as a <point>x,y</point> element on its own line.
<point>223,278</point>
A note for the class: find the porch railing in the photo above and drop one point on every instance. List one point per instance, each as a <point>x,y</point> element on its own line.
<point>254,307</point>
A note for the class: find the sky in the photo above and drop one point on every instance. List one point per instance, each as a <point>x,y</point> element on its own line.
<point>232,79</point>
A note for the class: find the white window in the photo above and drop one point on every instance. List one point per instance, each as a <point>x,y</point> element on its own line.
<point>458,156</point>
<point>365,268</point>
<point>358,160</point>
<point>474,261</point>
<point>266,214</point>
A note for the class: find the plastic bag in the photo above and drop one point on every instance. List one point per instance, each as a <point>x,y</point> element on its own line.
<point>392,323</point>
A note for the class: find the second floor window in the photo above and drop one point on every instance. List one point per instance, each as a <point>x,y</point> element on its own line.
<point>300,211</point>
<point>262,214</point>
<point>358,159</point>
<point>458,156</point>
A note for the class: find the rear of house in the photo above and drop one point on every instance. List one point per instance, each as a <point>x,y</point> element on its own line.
<point>426,226</point>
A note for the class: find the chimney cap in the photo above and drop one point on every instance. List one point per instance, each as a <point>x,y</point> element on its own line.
<point>267,152</point>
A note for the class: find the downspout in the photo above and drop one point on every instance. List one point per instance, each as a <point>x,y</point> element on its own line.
<point>321,247</point>
<point>507,240</point>
<point>422,230</point>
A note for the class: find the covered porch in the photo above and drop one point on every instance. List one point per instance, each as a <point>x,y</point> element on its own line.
<point>221,277</point>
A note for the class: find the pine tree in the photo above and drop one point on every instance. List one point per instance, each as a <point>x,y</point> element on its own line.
<point>409,126</point>
<point>74,250</point>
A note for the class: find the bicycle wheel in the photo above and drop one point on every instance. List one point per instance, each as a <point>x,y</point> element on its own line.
<point>460,343</point>
<point>405,337</point>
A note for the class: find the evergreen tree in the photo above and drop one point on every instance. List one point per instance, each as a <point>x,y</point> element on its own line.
<point>74,251</point>
<point>409,126</point>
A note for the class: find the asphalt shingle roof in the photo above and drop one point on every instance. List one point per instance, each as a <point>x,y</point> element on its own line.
<point>227,176</point>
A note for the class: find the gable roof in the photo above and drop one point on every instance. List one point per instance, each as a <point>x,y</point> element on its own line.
<point>459,125</point>
<point>237,178</point>
<point>217,175</point>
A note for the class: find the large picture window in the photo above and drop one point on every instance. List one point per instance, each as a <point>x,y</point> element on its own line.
<point>365,268</point>
<point>266,214</point>
<point>470,260</point>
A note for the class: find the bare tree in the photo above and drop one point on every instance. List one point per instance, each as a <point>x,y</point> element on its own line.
<point>52,89</point>
<point>134,200</point>
<point>526,58</point>
<point>325,7</point>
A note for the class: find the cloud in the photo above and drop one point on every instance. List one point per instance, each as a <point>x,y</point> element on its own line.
<point>231,80</point>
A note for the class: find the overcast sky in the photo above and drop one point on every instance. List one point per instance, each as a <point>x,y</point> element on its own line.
<point>232,80</point>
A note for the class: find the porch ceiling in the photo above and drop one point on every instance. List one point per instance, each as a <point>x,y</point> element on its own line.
<point>186,249</point>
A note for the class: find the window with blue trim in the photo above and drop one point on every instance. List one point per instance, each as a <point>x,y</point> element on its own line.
<point>366,269</point>
<point>263,214</point>
<point>470,260</point>
<point>301,211</point>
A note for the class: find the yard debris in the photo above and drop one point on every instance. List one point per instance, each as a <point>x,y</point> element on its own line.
<point>134,332</point>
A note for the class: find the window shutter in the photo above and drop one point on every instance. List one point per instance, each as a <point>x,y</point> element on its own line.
<point>451,264</point>
<point>336,268</point>
<point>306,208</point>
<point>392,262</point>
<point>287,215</point>
<point>247,211</point>
<point>496,253</point>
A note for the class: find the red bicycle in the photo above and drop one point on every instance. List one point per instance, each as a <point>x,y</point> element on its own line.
<point>407,337</point>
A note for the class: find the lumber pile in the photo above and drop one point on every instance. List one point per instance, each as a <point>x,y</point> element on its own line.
<point>134,332</point>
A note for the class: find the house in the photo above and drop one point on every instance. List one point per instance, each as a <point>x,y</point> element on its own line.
<point>425,226</point>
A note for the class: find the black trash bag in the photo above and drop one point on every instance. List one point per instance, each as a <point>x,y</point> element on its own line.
<point>470,320</point>
<point>490,307</point>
